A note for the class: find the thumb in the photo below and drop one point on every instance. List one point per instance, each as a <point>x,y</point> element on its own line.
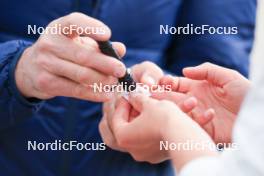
<point>147,73</point>
<point>149,79</point>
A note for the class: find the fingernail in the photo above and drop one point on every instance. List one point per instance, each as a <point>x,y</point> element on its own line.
<point>119,71</point>
<point>188,68</point>
<point>190,102</point>
<point>149,80</point>
<point>209,113</point>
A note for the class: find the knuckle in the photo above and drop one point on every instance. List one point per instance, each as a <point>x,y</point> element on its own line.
<point>82,58</point>
<point>207,64</point>
<point>54,22</point>
<point>109,80</point>
<point>78,92</point>
<point>73,16</point>
<point>42,62</point>
<point>81,92</point>
<point>138,158</point>
<point>43,81</point>
<point>45,43</point>
<point>153,66</point>
<point>82,75</point>
<point>235,73</point>
<point>121,141</point>
<point>147,63</point>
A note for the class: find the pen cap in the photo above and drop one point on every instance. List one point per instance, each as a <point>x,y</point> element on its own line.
<point>127,81</point>
<point>107,49</point>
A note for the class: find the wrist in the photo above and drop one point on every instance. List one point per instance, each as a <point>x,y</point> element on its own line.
<point>12,85</point>
<point>185,136</point>
<point>22,81</point>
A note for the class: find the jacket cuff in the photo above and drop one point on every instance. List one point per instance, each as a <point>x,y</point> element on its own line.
<point>26,102</point>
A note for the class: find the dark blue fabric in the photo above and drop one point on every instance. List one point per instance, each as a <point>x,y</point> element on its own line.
<point>136,23</point>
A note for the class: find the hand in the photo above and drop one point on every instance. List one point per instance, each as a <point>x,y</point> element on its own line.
<point>145,72</point>
<point>157,121</point>
<point>67,64</point>
<point>215,87</point>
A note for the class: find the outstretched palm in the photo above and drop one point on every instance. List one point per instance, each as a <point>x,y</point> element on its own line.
<point>219,89</point>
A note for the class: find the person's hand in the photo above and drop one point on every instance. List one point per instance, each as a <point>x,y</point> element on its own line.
<point>68,64</point>
<point>157,121</point>
<point>146,73</point>
<point>218,89</point>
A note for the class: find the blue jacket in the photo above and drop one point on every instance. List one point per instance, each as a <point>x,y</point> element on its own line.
<point>135,23</point>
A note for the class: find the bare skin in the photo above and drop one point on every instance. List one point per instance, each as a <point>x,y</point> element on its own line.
<point>162,120</point>
<point>218,89</point>
<point>66,65</point>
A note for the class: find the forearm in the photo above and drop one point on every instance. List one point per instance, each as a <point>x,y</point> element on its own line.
<point>198,141</point>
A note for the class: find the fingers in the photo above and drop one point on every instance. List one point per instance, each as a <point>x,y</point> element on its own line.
<point>88,55</point>
<point>148,79</point>
<point>210,72</point>
<point>58,86</point>
<point>90,43</point>
<point>120,48</point>
<point>86,26</point>
<point>138,101</point>
<point>188,105</point>
<point>147,73</point>
<point>178,84</point>
<point>171,96</point>
<point>185,102</point>
<point>203,117</point>
<point>75,72</point>
<point>206,117</point>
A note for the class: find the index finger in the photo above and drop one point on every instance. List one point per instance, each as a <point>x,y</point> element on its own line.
<point>178,84</point>
<point>83,25</point>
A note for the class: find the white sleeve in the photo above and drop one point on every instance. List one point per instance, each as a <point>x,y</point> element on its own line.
<point>248,135</point>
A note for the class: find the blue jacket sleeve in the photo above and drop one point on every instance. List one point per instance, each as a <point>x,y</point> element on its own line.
<point>230,51</point>
<point>14,108</point>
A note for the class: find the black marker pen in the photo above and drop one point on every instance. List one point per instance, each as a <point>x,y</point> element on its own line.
<point>127,81</point>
